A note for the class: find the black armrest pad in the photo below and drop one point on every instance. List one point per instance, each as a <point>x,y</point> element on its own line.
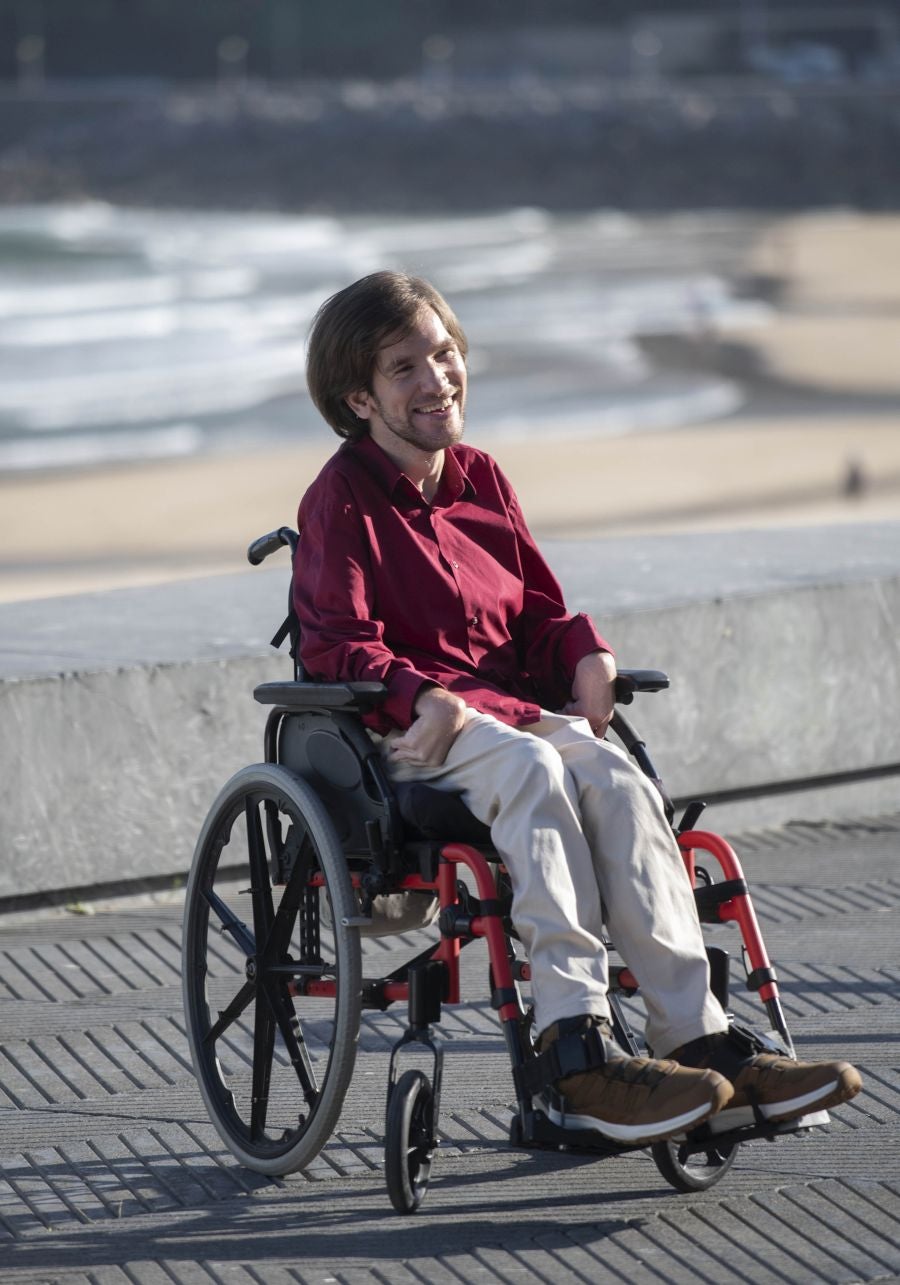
<point>359,696</point>
<point>629,681</point>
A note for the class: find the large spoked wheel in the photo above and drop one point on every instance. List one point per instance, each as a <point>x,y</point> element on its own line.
<point>271,976</point>
<point>409,1141</point>
<point>693,1172</point>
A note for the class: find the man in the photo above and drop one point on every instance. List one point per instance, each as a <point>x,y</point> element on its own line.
<point>416,569</point>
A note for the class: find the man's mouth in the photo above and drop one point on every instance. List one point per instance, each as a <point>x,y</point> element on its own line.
<point>437,408</point>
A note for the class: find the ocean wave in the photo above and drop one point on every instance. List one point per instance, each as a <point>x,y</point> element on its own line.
<point>78,449</point>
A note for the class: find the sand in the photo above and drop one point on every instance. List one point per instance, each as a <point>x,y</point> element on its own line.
<point>819,442</point>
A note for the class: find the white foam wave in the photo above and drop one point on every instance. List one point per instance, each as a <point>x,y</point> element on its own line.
<point>248,322</point>
<point>81,449</point>
<point>135,396</point>
<point>654,411</point>
<point>79,297</point>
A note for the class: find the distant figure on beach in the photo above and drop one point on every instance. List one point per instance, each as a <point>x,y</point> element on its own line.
<point>416,569</point>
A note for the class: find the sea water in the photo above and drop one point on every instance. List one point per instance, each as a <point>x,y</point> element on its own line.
<point>129,334</point>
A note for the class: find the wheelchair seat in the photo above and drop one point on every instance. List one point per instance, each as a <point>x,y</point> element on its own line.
<point>429,813</point>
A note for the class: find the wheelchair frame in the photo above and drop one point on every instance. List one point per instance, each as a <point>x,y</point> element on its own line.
<point>321,836</point>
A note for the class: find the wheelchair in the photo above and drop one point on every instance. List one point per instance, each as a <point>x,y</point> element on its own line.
<point>307,852</point>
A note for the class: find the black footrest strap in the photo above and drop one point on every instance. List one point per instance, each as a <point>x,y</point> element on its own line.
<point>569,1055</point>
<point>759,977</point>
<point>504,995</point>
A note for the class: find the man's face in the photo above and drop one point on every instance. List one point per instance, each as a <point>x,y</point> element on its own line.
<point>418,389</point>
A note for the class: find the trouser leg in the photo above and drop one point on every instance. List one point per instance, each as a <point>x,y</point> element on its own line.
<point>648,902</point>
<point>517,784</point>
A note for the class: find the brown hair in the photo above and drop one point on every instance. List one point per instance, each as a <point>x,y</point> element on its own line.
<point>350,328</point>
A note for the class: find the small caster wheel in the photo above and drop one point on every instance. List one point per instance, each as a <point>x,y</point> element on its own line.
<point>695,1172</point>
<point>409,1141</point>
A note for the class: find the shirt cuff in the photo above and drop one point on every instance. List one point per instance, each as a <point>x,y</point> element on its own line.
<point>403,687</point>
<point>579,640</point>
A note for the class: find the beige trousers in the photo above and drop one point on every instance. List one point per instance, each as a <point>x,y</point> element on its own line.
<point>584,837</point>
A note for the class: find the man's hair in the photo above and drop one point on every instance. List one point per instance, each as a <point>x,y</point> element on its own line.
<point>348,331</point>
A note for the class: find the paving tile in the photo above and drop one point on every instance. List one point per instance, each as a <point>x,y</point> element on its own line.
<point>110,1170</point>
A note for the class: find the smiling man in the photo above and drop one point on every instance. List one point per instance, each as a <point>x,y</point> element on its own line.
<point>416,569</point>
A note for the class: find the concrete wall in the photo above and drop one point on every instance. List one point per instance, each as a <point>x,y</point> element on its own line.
<point>123,713</point>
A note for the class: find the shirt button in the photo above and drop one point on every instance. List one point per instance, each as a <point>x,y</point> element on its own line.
<point>455,564</point>
<point>473,620</point>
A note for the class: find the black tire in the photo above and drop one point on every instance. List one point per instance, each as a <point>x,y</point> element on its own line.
<point>694,1172</point>
<point>409,1141</point>
<point>273,1062</point>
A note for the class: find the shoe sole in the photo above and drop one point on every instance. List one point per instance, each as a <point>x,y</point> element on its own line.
<point>636,1133</point>
<point>848,1084</point>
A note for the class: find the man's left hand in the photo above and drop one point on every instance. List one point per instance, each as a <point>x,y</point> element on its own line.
<point>594,690</point>
<point>439,718</point>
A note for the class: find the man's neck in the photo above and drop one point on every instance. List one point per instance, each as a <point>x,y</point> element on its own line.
<point>428,477</point>
<point>423,468</point>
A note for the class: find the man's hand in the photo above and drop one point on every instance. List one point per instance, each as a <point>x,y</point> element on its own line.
<point>594,690</point>
<point>439,719</point>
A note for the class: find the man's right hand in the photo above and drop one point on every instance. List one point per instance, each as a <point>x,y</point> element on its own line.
<point>440,716</point>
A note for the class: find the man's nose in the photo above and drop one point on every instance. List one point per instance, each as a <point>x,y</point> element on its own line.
<point>435,377</point>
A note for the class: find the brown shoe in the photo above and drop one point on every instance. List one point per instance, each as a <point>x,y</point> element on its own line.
<point>775,1085</point>
<point>632,1100</point>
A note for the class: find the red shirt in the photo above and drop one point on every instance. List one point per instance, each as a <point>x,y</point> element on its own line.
<point>390,588</point>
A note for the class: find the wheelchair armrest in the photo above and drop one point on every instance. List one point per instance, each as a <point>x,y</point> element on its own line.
<point>629,681</point>
<point>299,696</point>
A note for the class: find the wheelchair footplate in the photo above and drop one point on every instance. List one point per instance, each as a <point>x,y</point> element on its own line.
<point>740,1125</point>
<point>533,1129</point>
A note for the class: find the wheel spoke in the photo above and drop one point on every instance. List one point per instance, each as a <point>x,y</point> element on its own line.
<point>286,914</point>
<point>230,923</point>
<point>263,1052</point>
<point>294,1043</point>
<point>228,1016</point>
<point>260,887</point>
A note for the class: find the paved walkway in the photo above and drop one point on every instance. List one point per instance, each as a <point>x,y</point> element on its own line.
<point>111,1173</point>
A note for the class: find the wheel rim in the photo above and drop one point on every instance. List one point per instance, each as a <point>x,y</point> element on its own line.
<point>693,1170</point>
<point>273,1054</point>
<point>420,1148</point>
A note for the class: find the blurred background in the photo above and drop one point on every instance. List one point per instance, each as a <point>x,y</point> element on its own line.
<point>670,231</point>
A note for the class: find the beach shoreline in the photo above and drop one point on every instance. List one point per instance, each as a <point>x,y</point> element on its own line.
<point>149,523</point>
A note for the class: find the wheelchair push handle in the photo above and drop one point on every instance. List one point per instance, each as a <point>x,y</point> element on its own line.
<point>265,544</point>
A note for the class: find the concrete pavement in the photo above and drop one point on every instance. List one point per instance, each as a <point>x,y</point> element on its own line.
<point>111,1173</point>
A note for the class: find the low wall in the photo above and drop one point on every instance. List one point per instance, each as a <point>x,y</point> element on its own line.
<point>123,713</point>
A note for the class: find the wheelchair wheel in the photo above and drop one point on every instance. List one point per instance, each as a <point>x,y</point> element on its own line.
<point>692,1172</point>
<point>409,1141</point>
<point>272,993</point>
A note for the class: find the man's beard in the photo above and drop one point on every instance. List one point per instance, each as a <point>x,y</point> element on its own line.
<point>422,438</point>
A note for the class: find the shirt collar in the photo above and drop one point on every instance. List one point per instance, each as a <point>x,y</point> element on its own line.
<point>454,484</point>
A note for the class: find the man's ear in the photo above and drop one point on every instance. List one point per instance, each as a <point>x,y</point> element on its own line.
<point>360,403</point>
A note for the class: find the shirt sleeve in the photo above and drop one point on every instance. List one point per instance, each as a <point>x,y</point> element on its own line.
<point>341,640</point>
<point>553,640</point>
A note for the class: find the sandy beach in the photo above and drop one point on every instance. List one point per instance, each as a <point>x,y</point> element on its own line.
<point>818,442</point>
